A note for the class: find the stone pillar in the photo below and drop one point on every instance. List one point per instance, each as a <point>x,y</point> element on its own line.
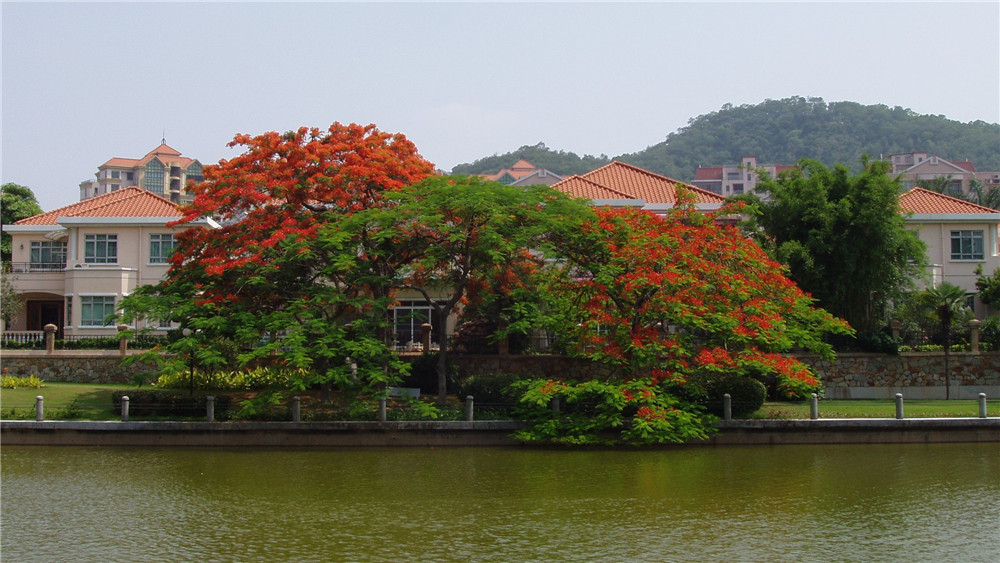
<point>296,409</point>
<point>974,325</point>
<point>122,340</point>
<point>39,408</point>
<point>50,337</point>
<point>210,408</point>
<point>425,336</point>
<point>468,408</point>
<point>125,408</point>
<point>899,406</point>
<point>727,407</point>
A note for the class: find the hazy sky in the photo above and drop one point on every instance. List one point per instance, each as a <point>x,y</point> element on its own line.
<point>84,82</point>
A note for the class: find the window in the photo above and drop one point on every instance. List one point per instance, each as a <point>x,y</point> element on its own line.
<point>407,318</point>
<point>160,248</point>
<point>129,176</point>
<point>966,245</point>
<point>47,255</point>
<point>97,310</point>
<point>69,311</point>
<point>100,249</point>
<point>154,177</point>
<point>737,189</point>
<point>732,175</point>
<point>116,174</point>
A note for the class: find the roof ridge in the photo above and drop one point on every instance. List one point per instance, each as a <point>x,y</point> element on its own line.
<point>924,191</point>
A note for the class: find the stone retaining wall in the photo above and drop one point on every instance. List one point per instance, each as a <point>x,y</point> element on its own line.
<point>851,376</point>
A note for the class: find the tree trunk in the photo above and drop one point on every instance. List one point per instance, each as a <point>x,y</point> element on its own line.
<point>442,361</point>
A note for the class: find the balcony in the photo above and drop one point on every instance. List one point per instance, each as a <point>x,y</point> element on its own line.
<point>26,267</point>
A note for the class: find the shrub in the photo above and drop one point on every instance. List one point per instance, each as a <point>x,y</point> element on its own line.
<point>20,382</point>
<point>989,333</point>
<point>747,393</point>
<point>423,373</point>
<point>239,380</point>
<point>486,388</point>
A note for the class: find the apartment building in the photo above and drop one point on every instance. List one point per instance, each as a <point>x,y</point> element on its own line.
<point>163,171</point>
<point>913,167</point>
<point>735,179</point>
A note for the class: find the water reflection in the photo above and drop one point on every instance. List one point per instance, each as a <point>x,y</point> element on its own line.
<point>935,502</point>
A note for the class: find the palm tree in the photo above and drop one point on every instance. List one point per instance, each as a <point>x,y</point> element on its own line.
<point>944,301</point>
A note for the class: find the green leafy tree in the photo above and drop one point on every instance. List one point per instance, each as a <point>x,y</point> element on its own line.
<point>946,302</point>
<point>17,202</point>
<point>841,236</point>
<point>466,230</point>
<point>11,302</point>
<point>988,286</point>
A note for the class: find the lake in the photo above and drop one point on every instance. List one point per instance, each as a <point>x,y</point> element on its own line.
<point>912,502</point>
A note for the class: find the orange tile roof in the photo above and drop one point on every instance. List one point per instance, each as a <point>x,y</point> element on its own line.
<point>632,182</point>
<point>126,202</point>
<point>920,200</point>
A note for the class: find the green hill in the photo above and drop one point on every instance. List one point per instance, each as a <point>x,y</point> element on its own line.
<point>782,132</point>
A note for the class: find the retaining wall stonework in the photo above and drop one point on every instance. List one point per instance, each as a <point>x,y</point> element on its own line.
<point>851,376</point>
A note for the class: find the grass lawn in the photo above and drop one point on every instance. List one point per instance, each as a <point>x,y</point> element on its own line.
<point>879,408</point>
<point>92,401</point>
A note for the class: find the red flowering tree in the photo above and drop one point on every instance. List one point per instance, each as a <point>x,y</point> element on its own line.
<point>288,276</point>
<point>661,300</point>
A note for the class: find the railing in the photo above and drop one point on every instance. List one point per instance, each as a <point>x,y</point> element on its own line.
<point>22,336</point>
<point>26,267</point>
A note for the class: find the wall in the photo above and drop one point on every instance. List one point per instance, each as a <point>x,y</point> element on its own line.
<point>851,376</point>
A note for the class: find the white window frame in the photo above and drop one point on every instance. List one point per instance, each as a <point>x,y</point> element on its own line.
<point>159,256</point>
<point>973,238</point>
<point>107,242</point>
<point>87,304</point>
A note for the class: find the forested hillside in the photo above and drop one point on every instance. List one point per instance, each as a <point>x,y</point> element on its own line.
<point>782,132</point>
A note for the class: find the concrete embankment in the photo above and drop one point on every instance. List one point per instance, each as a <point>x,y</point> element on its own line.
<point>469,434</point>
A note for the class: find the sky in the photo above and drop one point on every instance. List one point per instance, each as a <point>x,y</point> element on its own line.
<point>85,82</point>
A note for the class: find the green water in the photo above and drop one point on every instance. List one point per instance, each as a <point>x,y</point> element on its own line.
<point>790,503</point>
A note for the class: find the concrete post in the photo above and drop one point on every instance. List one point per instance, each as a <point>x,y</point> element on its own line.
<point>727,407</point>
<point>125,408</point>
<point>468,408</point>
<point>974,325</point>
<point>899,406</point>
<point>296,409</point>
<point>210,408</point>
<point>50,337</point>
<point>122,341</point>
<point>814,407</point>
<point>982,405</point>
<point>555,404</point>
<point>425,336</point>
<point>39,408</point>
<point>381,409</point>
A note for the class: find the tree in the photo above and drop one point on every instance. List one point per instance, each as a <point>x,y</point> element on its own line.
<point>662,301</point>
<point>288,275</point>
<point>945,301</point>
<point>11,302</point>
<point>988,286</point>
<point>841,236</point>
<point>468,230</point>
<point>16,202</point>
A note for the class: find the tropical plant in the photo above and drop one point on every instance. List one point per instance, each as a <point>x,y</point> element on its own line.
<point>945,301</point>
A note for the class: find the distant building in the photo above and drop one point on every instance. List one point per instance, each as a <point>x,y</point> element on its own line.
<point>163,171</point>
<point>913,167</point>
<point>735,179</point>
<point>524,173</point>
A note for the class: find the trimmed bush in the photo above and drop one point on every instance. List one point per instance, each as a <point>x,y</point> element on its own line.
<point>747,393</point>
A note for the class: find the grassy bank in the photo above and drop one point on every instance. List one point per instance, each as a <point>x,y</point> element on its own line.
<point>86,401</point>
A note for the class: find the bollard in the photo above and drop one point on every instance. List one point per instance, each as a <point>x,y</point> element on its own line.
<point>381,409</point>
<point>899,406</point>
<point>814,407</point>
<point>39,409</point>
<point>468,408</point>
<point>210,408</point>
<point>555,404</point>
<point>124,408</point>
<point>727,406</point>
<point>982,405</point>
<point>296,409</point>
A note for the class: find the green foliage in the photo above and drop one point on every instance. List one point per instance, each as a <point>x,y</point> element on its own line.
<point>11,302</point>
<point>262,406</point>
<point>236,380</point>
<point>841,237</point>
<point>16,202</point>
<point>561,162</point>
<point>988,286</point>
<point>747,394</point>
<point>20,382</point>
<point>158,403</point>
<point>989,333</point>
<point>486,387</point>
<point>787,130</point>
<point>605,412</point>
